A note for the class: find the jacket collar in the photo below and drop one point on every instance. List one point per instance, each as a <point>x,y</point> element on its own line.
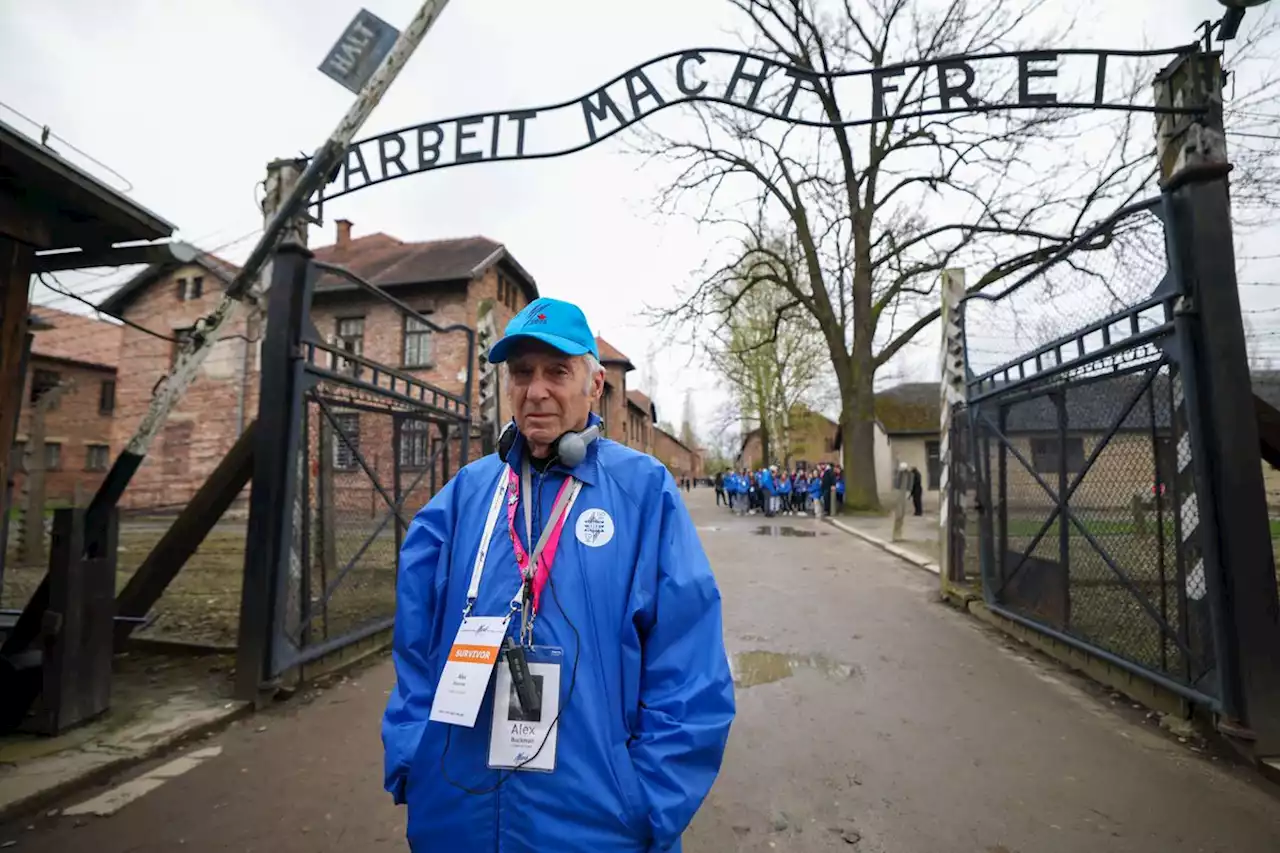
<point>588,471</point>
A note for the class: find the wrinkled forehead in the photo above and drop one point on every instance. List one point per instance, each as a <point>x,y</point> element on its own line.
<point>534,353</point>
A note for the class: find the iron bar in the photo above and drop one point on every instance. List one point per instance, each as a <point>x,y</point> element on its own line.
<point>1177,688</point>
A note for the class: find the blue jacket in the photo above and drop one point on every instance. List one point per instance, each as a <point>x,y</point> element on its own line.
<point>641,737</point>
<point>766,483</point>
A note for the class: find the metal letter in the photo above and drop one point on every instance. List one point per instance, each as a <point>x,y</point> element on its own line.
<point>359,166</point>
<point>946,90</point>
<point>466,136</point>
<point>606,108</point>
<point>799,79</point>
<point>1026,72</point>
<point>520,117</point>
<point>740,73</point>
<point>646,90</point>
<point>433,149</point>
<point>682,82</point>
<point>879,89</point>
<point>394,158</point>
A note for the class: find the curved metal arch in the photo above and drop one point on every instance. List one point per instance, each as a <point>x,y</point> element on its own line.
<point>700,55</point>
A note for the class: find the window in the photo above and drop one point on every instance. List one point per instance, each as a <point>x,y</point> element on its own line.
<point>1044,454</point>
<point>180,337</point>
<point>350,339</point>
<point>107,397</point>
<point>52,456</point>
<point>933,462</point>
<point>417,343</point>
<point>346,441</point>
<point>189,289</point>
<point>96,457</point>
<point>508,293</point>
<point>42,382</point>
<point>18,456</point>
<point>414,441</point>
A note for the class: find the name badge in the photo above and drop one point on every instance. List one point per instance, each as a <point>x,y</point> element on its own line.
<point>520,740</point>
<point>466,673</point>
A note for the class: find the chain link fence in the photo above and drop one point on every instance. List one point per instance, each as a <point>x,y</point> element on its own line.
<point>1075,402</point>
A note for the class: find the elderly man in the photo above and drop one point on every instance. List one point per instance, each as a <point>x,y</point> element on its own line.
<point>561,677</point>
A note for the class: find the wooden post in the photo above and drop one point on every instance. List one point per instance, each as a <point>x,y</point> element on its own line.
<point>15,275</point>
<point>32,543</point>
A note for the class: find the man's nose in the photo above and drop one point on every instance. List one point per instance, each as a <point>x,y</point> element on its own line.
<point>538,388</point>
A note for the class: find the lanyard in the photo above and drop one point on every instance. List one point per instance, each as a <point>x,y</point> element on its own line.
<point>536,568</point>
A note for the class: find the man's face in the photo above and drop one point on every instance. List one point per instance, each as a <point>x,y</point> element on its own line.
<point>549,392</point>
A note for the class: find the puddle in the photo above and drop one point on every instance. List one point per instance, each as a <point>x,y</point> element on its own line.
<point>753,668</point>
<point>779,530</point>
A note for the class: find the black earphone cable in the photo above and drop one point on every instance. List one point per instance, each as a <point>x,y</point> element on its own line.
<point>504,775</point>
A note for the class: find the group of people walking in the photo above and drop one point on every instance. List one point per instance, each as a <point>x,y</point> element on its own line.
<point>771,491</point>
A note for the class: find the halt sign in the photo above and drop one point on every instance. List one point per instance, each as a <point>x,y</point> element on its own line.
<point>364,44</point>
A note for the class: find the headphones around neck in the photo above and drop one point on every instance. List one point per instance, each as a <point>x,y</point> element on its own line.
<point>569,449</point>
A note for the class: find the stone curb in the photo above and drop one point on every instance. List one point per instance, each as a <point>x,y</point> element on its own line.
<point>100,772</point>
<point>901,553</point>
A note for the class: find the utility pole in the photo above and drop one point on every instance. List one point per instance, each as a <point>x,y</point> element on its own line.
<point>328,157</point>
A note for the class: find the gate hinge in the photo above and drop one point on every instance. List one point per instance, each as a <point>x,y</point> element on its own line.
<point>1184,306</point>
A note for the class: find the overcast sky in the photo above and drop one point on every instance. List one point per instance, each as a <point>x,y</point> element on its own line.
<point>188,99</point>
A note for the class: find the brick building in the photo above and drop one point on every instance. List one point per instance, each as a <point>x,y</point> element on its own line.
<point>641,419</point>
<point>681,459</point>
<point>450,281</point>
<point>612,405</point>
<point>814,438</point>
<point>71,381</point>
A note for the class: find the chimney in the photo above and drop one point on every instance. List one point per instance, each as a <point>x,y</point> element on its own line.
<point>344,233</point>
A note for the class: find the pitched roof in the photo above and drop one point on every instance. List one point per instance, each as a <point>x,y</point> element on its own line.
<point>609,354</point>
<point>642,402</point>
<point>912,407</point>
<point>73,337</point>
<point>222,270</point>
<point>382,260</point>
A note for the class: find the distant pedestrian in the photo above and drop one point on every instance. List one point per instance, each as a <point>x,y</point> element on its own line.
<point>828,486</point>
<point>720,496</point>
<point>917,492</point>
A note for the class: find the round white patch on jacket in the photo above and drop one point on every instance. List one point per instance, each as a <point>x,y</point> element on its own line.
<point>594,528</point>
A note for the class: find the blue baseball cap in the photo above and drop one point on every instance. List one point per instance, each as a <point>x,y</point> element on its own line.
<point>557,323</point>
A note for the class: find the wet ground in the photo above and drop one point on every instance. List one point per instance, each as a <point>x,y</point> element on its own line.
<point>870,718</point>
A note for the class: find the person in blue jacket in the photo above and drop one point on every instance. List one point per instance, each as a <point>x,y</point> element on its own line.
<point>616,605</point>
<point>783,488</point>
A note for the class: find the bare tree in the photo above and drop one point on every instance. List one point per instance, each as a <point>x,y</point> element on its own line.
<point>769,350</point>
<point>878,212</point>
<point>688,428</point>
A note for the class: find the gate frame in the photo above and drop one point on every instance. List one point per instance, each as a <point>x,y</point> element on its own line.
<point>1234,535</point>
<point>289,372</point>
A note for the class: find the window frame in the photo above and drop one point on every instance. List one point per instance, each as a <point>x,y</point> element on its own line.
<point>39,389</point>
<point>107,401</point>
<point>423,332</point>
<point>88,457</point>
<point>53,448</point>
<point>420,430</point>
<point>347,365</point>
<point>340,446</point>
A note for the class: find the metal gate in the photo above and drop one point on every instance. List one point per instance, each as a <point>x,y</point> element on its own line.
<point>349,447</point>
<point>1083,457</point>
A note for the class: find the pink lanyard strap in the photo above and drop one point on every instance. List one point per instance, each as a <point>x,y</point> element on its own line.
<point>545,550</point>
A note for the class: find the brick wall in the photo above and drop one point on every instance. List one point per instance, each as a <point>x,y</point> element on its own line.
<point>74,425</point>
<point>680,460</point>
<point>206,422</point>
<point>612,405</point>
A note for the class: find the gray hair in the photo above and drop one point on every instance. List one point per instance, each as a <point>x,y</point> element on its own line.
<point>593,367</point>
